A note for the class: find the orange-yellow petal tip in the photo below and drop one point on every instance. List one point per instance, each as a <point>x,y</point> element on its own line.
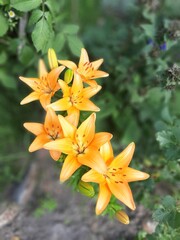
<point>30,149</point>
<point>98,211</point>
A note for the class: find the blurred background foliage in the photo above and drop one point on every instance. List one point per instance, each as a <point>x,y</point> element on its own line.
<point>139,41</point>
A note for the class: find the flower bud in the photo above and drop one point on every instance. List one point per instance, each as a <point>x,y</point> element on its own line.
<point>86,189</point>
<point>53,63</point>
<point>68,76</point>
<point>122,217</point>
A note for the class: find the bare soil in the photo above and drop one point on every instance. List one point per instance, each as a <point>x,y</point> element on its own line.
<point>73,218</point>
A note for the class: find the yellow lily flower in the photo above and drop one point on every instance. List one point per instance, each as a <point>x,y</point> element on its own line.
<point>76,98</point>
<point>88,70</point>
<point>44,87</point>
<point>115,179</point>
<point>47,132</point>
<point>81,145</point>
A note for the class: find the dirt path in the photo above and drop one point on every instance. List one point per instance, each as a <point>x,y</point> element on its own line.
<point>72,219</point>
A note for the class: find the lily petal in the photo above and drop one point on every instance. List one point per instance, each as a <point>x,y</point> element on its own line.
<point>35,128</point>
<point>122,192</point>
<point>68,64</point>
<point>53,76</point>
<point>86,131</point>
<point>67,127</point>
<point>103,198</point>
<point>99,74</point>
<point>106,152</point>
<point>39,142</point>
<point>86,105</point>
<point>65,88</point>
<point>92,83</point>
<point>70,165</point>
<point>93,176</point>
<point>83,57</point>
<point>124,158</point>
<point>88,92</point>
<point>30,98</point>
<point>73,116</point>
<point>92,158</point>
<point>51,119</point>
<point>61,105</point>
<point>100,139</point>
<point>134,175</point>
<point>96,64</point>
<point>55,154</point>
<point>77,85</point>
<point>31,82</point>
<point>45,100</point>
<point>42,69</point>
<point>64,145</point>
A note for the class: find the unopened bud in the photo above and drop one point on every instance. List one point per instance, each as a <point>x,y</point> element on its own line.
<point>68,76</point>
<point>53,63</point>
<point>122,217</point>
<point>86,189</point>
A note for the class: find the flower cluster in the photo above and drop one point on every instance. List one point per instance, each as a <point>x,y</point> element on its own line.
<point>64,133</point>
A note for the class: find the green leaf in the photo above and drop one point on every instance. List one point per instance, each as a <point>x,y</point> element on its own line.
<point>48,17</point>
<point>6,80</point>
<point>3,57</point>
<point>4,2</point>
<point>75,44</point>
<point>41,34</point>
<point>159,215</point>
<point>49,43</point>
<point>168,202</point>
<point>3,24</point>
<point>55,6</point>
<point>164,138</point>
<point>25,5</point>
<point>26,55</point>
<point>148,29</point>
<point>59,42</point>
<point>71,29</point>
<point>35,16</point>
<point>149,15</point>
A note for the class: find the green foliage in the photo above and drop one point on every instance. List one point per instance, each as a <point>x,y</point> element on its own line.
<point>3,24</point>
<point>41,33</point>
<point>167,216</point>
<point>25,5</point>
<point>47,204</point>
<point>139,42</point>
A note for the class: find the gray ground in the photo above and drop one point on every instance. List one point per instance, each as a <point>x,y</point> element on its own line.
<point>72,219</point>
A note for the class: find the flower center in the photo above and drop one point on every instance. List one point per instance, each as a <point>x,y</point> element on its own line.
<point>86,69</point>
<point>116,175</point>
<point>75,99</point>
<point>79,148</point>
<point>54,132</point>
<point>43,86</point>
